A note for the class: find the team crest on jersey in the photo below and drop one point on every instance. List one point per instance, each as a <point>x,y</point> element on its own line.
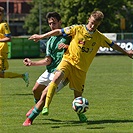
<point>81,41</point>
<point>67,29</point>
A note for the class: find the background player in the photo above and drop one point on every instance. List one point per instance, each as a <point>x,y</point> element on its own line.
<point>5,36</point>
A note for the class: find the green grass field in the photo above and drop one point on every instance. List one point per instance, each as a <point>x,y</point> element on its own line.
<point>108,88</point>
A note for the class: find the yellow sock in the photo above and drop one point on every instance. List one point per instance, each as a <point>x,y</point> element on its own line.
<point>51,90</point>
<point>12,75</point>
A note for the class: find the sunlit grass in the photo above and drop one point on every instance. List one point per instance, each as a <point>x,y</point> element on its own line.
<point>108,88</point>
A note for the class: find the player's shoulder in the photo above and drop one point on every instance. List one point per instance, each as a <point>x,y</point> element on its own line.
<point>102,36</point>
<point>78,25</point>
<point>3,23</point>
<point>99,33</point>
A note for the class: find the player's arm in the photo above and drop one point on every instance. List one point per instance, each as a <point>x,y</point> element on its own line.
<point>62,45</point>
<point>44,62</point>
<point>37,37</point>
<point>118,48</point>
<point>5,39</point>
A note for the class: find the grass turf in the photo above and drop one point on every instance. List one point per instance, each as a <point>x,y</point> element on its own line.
<point>108,88</point>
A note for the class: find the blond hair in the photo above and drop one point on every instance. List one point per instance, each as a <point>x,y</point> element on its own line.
<point>98,15</point>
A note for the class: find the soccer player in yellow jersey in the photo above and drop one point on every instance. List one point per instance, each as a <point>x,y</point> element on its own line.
<point>86,40</point>
<point>5,36</point>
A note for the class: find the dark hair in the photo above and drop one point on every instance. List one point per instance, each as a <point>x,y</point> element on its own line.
<point>53,15</point>
<point>1,9</point>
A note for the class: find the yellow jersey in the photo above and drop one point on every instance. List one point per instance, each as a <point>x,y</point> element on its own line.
<point>83,46</point>
<point>4,30</point>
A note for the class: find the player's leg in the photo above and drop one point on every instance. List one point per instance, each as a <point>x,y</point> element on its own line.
<point>37,91</point>
<point>81,116</point>
<point>3,59</point>
<point>13,75</point>
<point>24,76</point>
<point>4,74</point>
<point>51,90</point>
<point>77,94</point>
<point>4,66</point>
<point>62,84</point>
<point>36,110</point>
<point>41,102</point>
<point>1,74</point>
<point>77,84</point>
<point>4,63</point>
<point>61,73</point>
<point>43,81</point>
<point>39,86</point>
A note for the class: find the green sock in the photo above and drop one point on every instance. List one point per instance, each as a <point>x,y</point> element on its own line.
<point>36,100</point>
<point>34,114</point>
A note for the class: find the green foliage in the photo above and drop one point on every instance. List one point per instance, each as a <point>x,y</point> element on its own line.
<point>32,20</point>
<point>40,8</point>
<point>108,88</point>
<point>78,11</point>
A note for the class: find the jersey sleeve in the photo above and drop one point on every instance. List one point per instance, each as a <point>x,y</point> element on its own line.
<point>68,31</point>
<point>6,30</point>
<point>106,42</point>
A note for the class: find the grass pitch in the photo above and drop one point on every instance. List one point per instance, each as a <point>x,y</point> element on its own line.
<point>108,88</point>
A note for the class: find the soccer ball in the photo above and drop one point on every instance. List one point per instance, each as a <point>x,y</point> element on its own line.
<point>80,105</point>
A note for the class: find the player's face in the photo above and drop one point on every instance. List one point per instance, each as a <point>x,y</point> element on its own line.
<point>92,24</point>
<point>54,23</point>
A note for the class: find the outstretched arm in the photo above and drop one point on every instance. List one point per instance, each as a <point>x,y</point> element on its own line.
<point>118,48</point>
<point>5,39</point>
<point>44,62</point>
<point>37,37</point>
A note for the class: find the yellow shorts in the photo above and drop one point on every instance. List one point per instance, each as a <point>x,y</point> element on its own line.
<point>75,76</point>
<point>3,56</point>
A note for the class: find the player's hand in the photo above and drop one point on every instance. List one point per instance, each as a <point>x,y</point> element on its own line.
<point>27,62</point>
<point>62,45</point>
<point>130,53</point>
<point>35,37</point>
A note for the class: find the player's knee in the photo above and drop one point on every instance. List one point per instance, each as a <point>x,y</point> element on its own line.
<point>58,76</point>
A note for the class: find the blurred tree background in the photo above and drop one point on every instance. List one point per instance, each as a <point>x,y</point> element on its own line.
<point>78,11</point>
